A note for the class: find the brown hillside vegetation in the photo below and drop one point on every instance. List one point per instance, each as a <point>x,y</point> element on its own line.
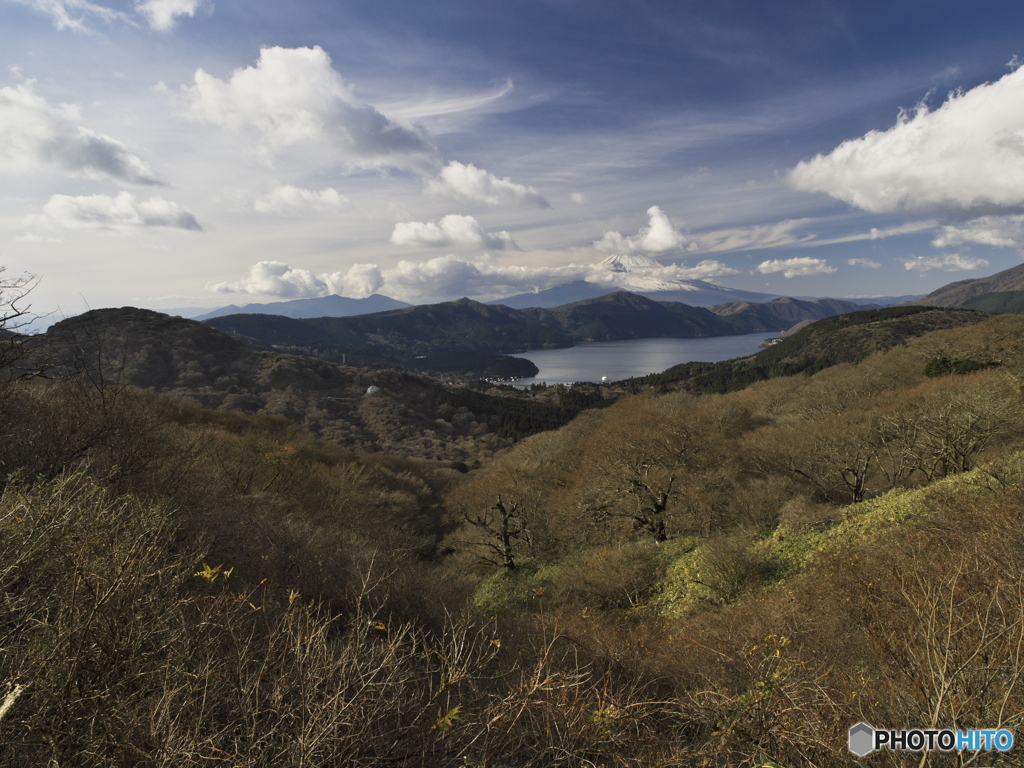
<point>677,580</point>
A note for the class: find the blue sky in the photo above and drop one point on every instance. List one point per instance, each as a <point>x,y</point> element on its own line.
<point>172,153</point>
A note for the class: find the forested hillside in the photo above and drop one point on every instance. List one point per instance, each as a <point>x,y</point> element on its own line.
<point>679,579</point>
<point>847,338</point>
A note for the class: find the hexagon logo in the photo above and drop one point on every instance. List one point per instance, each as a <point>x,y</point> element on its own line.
<point>861,740</point>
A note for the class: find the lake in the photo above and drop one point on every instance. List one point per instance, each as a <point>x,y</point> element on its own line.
<point>617,360</point>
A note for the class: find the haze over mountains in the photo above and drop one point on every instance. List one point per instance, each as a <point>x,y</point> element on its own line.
<point>636,274</point>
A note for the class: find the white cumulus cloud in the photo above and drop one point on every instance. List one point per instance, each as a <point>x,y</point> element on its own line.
<point>162,15</point>
<point>408,280</point>
<point>452,231</point>
<point>999,231</point>
<point>658,237</point>
<point>288,199</point>
<point>948,262</point>
<point>275,278</point>
<point>360,281</point>
<point>472,184</point>
<point>123,212</point>
<point>800,266</point>
<point>294,96</point>
<point>450,276</point>
<point>35,134</point>
<point>865,263</point>
<point>967,155</point>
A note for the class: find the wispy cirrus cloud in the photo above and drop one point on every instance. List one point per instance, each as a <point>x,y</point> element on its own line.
<point>446,112</point>
<point>75,15</point>
<point>661,237</point>
<point>754,238</point>
<point>37,135</point>
<point>81,15</point>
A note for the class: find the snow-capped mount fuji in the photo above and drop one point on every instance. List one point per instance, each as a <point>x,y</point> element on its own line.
<point>620,263</point>
<point>637,274</point>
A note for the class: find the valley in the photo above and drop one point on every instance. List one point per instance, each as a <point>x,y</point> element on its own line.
<point>667,551</point>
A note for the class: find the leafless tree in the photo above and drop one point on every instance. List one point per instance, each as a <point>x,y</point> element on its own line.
<point>15,315</point>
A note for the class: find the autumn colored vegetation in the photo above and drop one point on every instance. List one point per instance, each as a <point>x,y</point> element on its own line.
<point>678,579</point>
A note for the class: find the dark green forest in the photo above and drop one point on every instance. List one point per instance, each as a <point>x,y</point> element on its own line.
<point>204,564</point>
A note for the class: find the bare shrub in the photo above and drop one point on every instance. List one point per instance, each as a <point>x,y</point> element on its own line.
<point>614,577</point>
<point>730,564</point>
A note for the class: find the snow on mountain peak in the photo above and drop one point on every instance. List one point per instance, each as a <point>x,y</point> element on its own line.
<point>628,263</point>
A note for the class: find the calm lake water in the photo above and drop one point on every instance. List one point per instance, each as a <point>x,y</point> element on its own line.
<point>637,357</point>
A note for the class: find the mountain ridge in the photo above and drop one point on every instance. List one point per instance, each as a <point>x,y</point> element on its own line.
<point>320,306</point>
<point>472,326</point>
<point>955,294</point>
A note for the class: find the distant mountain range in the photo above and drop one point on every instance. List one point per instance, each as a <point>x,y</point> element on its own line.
<point>323,306</point>
<point>638,275</point>
<point>467,325</point>
<point>698,293</point>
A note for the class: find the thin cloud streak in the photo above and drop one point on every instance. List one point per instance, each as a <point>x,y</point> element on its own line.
<point>75,15</point>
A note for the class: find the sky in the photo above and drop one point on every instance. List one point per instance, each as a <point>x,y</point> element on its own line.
<point>196,153</point>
